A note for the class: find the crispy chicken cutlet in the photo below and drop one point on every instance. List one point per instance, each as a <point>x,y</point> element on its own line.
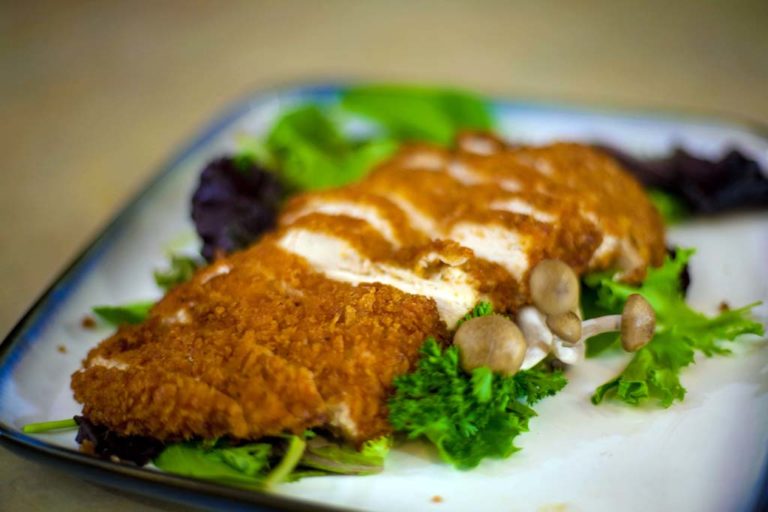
<point>309,326</point>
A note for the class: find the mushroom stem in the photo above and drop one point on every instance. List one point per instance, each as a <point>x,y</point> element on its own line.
<point>636,323</point>
<point>599,325</point>
<point>533,324</point>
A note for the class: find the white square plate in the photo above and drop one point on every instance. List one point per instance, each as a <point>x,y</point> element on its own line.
<point>708,453</point>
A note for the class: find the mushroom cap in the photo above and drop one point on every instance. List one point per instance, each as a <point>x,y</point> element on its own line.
<point>554,287</point>
<point>493,341</point>
<point>638,323</point>
<point>566,326</point>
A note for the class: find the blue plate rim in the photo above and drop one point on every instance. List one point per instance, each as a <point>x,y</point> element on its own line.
<point>22,334</point>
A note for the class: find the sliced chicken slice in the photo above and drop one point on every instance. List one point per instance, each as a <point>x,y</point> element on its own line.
<point>451,288</point>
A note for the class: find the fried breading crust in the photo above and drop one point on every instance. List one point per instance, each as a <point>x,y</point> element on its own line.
<point>251,352</point>
<point>261,343</point>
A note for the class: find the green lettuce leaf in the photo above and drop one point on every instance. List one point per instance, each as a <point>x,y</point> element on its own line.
<point>133,313</point>
<point>181,270</point>
<point>248,465</point>
<point>309,152</point>
<point>654,372</point>
<point>468,417</point>
<point>243,465</point>
<point>307,149</point>
<point>671,207</point>
<point>333,457</point>
<point>419,113</point>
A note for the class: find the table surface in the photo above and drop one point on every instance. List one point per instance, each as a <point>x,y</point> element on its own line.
<point>95,95</point>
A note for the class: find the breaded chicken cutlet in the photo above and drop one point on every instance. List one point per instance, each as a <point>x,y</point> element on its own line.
<point>309,326</point>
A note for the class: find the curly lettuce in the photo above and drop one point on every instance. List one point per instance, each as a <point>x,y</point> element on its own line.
<point>654,371</point>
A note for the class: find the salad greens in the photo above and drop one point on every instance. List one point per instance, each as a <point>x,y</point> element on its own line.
<point>412,113</point>
<point>654,371</point>
<point>242,465</point>
<point>181,270</point>
<point>332,457</point>
<point>672,209</point>
<point>105,443</point>
<point>308,149</point>
<point>133,313</point>
<point>735,181</point>
<point>291,458</point>
<point>47,426</point>
<point>235,202</point>
<point>274,460</point>
<point>468,417</point>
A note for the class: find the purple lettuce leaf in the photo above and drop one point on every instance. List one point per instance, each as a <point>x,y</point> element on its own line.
<point>107,444</point>
<point>235,202</point>
<point>706,186</point>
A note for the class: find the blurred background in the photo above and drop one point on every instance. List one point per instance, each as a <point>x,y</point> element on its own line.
<point>95,95</point>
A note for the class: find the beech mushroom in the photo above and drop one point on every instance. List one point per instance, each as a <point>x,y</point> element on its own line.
<point>556,334</point>
<point>542,341</point>
<point>554,287</point>
<point>637,323</point>
<point>493,341</point>
<point>566,326</point>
